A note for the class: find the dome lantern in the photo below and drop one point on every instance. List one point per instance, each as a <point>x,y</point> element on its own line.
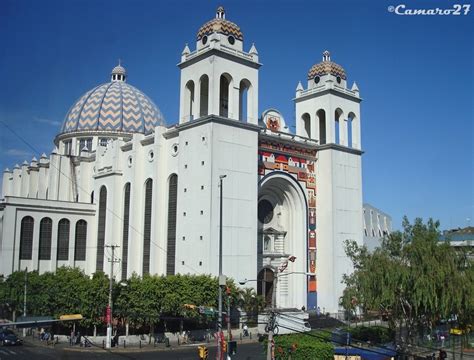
<point>220,13</point>
<point>118,73</point>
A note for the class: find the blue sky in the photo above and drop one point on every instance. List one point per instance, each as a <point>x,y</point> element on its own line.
<point>415,74</point>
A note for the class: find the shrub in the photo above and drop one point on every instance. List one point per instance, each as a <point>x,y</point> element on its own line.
<point>374,334</point>
<point>302,347</point>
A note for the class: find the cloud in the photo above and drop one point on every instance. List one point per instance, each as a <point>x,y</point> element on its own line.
<point>18,153</point>
<point>47,121</point>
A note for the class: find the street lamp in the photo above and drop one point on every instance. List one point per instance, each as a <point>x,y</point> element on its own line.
<point>222,279</point>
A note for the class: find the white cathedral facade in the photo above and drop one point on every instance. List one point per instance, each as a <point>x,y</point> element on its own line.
<point>119,176</point>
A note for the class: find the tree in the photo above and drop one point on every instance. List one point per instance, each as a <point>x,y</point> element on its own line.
<point>412,278</point>
<point>251,303</point>
<point>94,299</point>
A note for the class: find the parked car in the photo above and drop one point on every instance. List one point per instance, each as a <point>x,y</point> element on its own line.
<point>8,337</point>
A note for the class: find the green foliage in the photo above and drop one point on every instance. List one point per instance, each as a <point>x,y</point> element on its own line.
<point>141,302</point>
<point>302,347</point>
<point>374,334</point>
<point>251,303</point>
<point>411,278</point>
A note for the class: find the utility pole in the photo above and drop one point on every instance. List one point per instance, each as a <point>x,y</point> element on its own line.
<point>24,300</point>
<point>229,334</point>
<point>222,280</point>
<point>271,321</point>
<point>108,344</point>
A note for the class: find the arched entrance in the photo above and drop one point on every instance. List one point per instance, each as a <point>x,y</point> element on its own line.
<point>282,232</point>
<point>265,285</point>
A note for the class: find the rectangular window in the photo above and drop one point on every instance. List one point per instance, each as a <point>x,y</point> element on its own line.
<point>85,143</point>
<point>103,141</point>
<point>267,244</point>
<point>68,147</point>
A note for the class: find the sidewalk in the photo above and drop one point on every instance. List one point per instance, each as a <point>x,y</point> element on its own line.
<point>136,343</point>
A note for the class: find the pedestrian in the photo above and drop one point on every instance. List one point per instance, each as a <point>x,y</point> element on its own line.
<point>71,338</point>
<point>318,311</point>
<point>41,335</point>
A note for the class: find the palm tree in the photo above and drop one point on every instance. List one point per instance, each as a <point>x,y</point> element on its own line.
<point>251,304</point>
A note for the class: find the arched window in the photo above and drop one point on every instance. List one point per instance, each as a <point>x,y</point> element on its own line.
<point>204,98</point>
<point>63,239</point>
<point>306,119</point>
<point>126,223</point>
<point>189,100</point>
<point>80,241</point>
<point>267,244</point>
<point>45,235</point>
<point>350,119</point>
<point>147,225</point>
<point>26,238</point>
<point>338,134</point>
<point>224,85</point>
<point>101,229</point>
<point>244,100</point>
<point>265,284</point>
<point>171,246</point>
<point>321,115</point>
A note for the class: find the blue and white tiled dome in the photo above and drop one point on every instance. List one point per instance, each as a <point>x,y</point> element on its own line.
<point>115,106</point>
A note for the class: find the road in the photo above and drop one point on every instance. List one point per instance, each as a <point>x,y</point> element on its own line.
<point>248,351</point>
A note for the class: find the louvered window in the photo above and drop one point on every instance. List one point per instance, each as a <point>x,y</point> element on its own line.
<point>63,239</point>
<point>126,218</point>
<point>101,229</point>
<point>81,241</point>
<point>26,238</point>
<point>147,226</point>
<point>171,246</point>
<point>46,229</point>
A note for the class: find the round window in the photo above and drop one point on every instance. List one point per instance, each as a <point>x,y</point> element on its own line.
<point>151,155</point>
<point>174,149</point>
<point>338,79</point>
<point>265,211</point>
<point>231,40</point>
<point>317,79</point>
<point>204,40</point>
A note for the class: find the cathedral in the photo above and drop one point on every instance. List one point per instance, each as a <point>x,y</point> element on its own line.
<point>122,185</point>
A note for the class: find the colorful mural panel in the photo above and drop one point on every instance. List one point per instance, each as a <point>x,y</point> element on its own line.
<point>299,163</point>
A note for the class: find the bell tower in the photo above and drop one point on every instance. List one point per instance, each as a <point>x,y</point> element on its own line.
<point>329,112</point>
<point>219,77</point>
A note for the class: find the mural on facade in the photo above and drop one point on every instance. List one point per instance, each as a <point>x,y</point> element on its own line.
<point>298,162</point>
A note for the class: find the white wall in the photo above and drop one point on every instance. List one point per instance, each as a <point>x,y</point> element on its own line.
<point>233,152</point>
<point>338,218</point>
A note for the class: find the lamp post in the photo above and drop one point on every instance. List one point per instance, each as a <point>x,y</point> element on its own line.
<point>222,279</point>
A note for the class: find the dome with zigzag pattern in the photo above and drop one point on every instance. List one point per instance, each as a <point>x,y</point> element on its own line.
<point>113,107</point>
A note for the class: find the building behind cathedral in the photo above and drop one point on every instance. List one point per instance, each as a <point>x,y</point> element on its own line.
<point>120,176</point>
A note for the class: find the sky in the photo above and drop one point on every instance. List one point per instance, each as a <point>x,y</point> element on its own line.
<point>415,75</point>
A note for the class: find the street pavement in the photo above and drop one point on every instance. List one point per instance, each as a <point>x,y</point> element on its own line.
<point>35,350</point>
